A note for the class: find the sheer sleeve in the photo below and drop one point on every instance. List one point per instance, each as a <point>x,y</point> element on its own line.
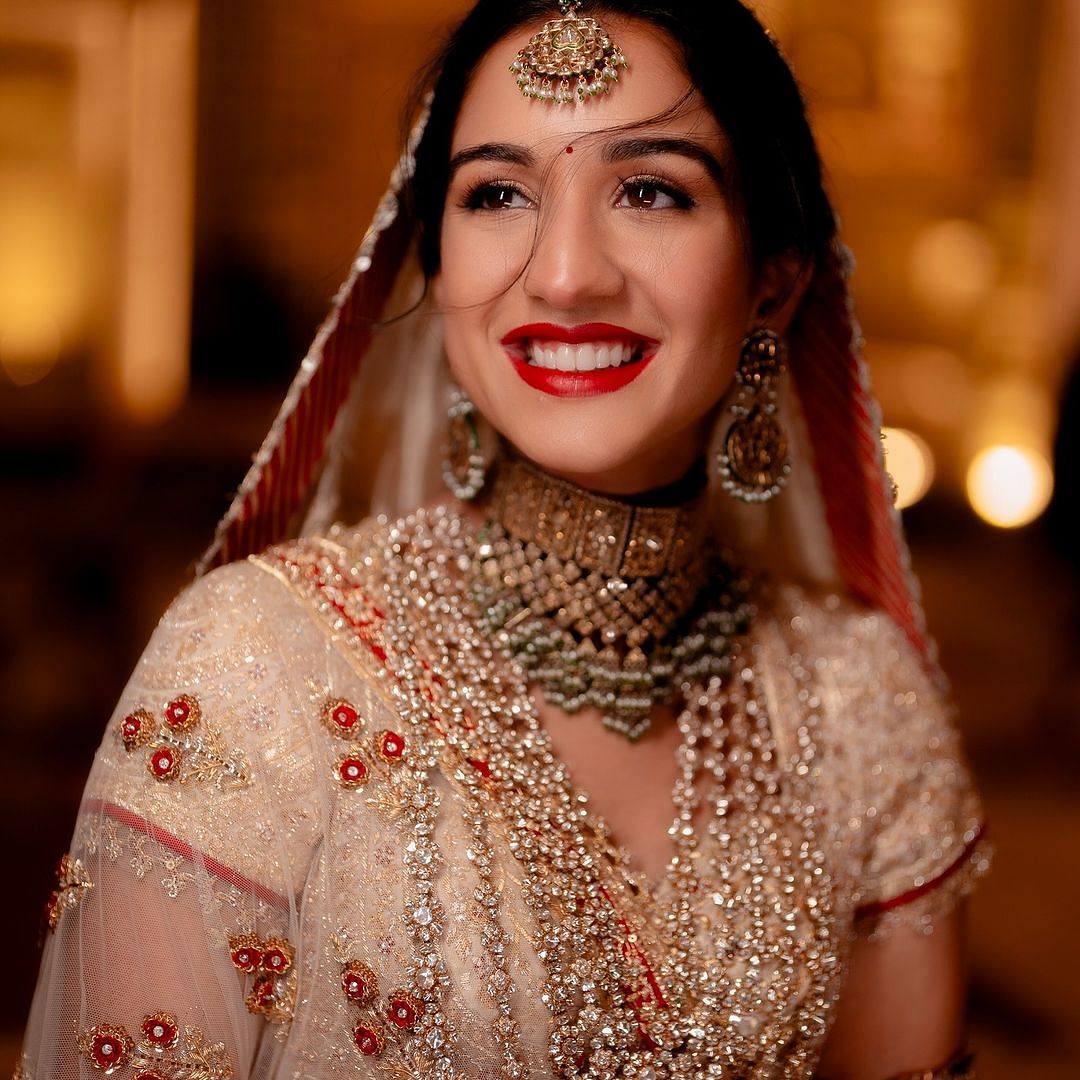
<point>172,927</point>
<point>920,815</point>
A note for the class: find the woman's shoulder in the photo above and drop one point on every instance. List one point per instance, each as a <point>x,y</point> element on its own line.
<point>829,627</point>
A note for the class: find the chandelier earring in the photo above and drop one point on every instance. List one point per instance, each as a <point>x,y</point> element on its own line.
<point>464,467</point>
<point>753,462</point>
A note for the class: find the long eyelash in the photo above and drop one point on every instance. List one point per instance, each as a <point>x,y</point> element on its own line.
<point>683,201</point>
<point>470,198</point>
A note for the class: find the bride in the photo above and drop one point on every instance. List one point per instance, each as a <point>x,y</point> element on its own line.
<point>628,756</point>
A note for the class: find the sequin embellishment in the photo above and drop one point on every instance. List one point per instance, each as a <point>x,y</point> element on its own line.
<point>341,718</point>
<point>162,1052</point>
<point>359,983</point>
<point>107,1046</point>
<point>183,748</point>
<point>369,1038</point>
<point>351,770</point>
<point>273,989</point>
<point>390,746</point>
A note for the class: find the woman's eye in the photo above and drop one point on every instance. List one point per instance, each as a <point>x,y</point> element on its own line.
<point>653,195</point>
<point>497,197</point>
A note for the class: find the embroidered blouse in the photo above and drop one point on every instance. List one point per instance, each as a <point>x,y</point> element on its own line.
<point>325,835</point>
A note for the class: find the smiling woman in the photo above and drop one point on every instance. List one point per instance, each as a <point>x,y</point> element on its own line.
<point>630,759</point>
<point>555,261</point>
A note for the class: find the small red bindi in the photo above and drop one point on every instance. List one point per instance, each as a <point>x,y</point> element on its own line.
<point>569,149</point>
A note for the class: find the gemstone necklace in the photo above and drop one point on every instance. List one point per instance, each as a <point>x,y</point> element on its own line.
<point>605,602</point>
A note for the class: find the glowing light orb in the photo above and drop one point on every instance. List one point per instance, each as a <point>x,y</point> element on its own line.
<point>910,462</point>
<point>1009,486</point>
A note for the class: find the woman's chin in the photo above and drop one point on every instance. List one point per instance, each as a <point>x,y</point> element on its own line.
<point>603,468</point>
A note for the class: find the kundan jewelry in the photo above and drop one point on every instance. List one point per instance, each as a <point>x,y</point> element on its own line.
<point>754,463</point>
<point>464,468</point>
<point>570,59</point>
<point>604,602</point>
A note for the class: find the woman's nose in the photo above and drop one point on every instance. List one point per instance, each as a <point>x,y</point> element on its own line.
<point>574,258</point>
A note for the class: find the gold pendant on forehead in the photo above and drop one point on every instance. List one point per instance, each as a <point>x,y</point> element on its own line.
<point>570,59</point>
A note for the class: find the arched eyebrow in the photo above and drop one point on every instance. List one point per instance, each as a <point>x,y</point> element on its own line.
<point>505,153</point>
<point>650,145</point>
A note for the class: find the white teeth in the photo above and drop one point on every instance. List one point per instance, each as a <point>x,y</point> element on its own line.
<point>588,356</point>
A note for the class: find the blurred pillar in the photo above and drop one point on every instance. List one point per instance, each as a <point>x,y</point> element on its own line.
<point>153,356</point>
<point>1059,223</point>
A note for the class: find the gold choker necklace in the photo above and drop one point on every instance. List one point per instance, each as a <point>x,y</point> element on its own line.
<point>605,602</point>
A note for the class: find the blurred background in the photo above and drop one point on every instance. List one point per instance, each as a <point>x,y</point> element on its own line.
<point>182,186</point>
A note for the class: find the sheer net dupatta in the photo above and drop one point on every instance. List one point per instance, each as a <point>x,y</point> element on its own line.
<point>378,350</point>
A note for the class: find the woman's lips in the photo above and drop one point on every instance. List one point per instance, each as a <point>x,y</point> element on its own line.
<point>578,361</point>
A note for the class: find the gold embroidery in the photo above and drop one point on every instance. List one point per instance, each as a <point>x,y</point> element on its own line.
<point>270,961</point>
<point>183,748</point>
<point>162,1053</point>
<point>72,884</point>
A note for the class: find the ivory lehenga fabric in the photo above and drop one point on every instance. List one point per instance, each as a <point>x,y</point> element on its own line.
<point>325,836</point>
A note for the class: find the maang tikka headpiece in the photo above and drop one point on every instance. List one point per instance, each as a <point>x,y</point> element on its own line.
<point>570,59</point>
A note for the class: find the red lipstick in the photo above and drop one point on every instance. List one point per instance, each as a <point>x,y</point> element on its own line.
<point>577,383</point>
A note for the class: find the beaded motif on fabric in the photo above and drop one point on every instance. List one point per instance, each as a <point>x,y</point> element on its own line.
<point>269,963</point>
<point>678,981</point>
<point>183,748</point>
<point>162,1052</point>
<point>72,884</point>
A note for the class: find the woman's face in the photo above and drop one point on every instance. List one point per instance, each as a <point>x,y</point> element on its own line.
<point>595,280</point>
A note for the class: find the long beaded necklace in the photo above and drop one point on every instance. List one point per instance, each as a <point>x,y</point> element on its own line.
<point>727,970</point>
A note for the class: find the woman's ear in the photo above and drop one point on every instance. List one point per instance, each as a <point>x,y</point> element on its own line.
<point>781,285</point>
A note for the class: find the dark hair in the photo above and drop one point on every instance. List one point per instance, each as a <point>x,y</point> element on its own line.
<point>732,62</point>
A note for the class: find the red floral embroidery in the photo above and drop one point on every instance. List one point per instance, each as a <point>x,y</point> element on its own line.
<point>182,713</point>
<point>273,991</point>
<point>263,995</point>
<point>368,1038</point>
<point>137,728</point>
<point>359,983</point>
<point>350,770</point>
<point>160,1053</point>
<point>342,718</point>
<point>160,1031</point>
<point>277,956</point>
<point>108,1046</point>
<point>245,951</point>
<point>164,763</point>
<point>175,754</point>
<point>390,746</point>
<point>403,1009</point>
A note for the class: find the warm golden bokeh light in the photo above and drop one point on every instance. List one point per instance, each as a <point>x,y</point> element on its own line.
<point>910,462</point>
<point>1009,486</point>
<point>40,280</point>
<point>953,266</point>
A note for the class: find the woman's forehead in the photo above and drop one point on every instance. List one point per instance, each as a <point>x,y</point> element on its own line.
<point>655,88</point>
